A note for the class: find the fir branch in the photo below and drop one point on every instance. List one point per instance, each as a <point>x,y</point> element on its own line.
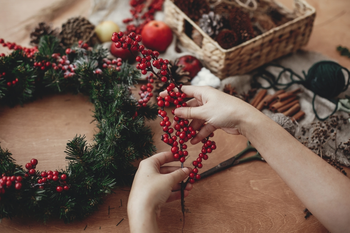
<point>48,45</point>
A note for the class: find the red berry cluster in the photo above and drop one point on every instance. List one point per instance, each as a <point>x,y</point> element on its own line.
<point>146,92</point>
<point>9,84</point>
<point>29,52</point>
<point>46,177</point>
<point>6,182</point>
<point>62,63</point>
<point>112,64</point>
<point>183,132</point>
<point>141,17</point>
<point>159,68</point>
<point>43,65</point>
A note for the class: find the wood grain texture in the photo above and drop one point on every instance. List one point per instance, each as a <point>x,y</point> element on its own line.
<point>247,198</point>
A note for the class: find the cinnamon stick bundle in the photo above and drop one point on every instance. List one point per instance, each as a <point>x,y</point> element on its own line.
<point>292,110</point>
<point>298,116</point>
<point>272,97</point>
<point>261,94</point>
<point>287,106</point>
<point>280,104</point>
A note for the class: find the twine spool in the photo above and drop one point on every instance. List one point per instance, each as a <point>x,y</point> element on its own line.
<point>326,79</point>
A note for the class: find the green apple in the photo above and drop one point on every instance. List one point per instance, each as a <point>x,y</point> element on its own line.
<point>105,30</point>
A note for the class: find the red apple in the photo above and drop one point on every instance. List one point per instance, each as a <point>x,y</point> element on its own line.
<point>124,54</point>
<point>190,64</point>
<point>157,35</point>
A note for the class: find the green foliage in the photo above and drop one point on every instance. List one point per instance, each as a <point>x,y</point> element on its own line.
<point>344,51</point>
<point>93,170</point>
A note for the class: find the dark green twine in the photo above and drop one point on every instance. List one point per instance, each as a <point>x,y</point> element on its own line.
<point>324,78</point>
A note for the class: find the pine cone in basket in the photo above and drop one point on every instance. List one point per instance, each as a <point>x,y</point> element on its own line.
<point>42,29</point>
<point>211,24</point>
<point>240,23</point>
<point>227,39</point>
<point>193,8</point>
<point>224,9</point>
<point>262,22</point>
<point>78,28</point>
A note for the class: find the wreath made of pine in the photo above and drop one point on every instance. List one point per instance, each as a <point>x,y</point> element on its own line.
<point>93,169</point>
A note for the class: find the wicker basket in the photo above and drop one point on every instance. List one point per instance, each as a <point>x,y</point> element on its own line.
<point>251,54</point>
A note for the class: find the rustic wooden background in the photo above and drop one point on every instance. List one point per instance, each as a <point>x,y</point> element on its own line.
<point>248,198</point>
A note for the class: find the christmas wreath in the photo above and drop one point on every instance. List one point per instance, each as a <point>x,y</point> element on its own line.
<point>93,169</point>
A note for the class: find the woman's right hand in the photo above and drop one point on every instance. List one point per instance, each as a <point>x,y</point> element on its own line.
<point>217,109</point>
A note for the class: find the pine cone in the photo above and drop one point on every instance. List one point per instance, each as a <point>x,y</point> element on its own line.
<point>263,22</point>
<point>179,76</point>
<point>224,9</point>
<point>78,28</point>
<point>211,24</point>
<point>227,39</point>
<point>193,8</point>
<point>42,30</point>
<point>240,23</point>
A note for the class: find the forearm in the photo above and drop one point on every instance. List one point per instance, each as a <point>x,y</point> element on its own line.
<point>142,219</point>
<point>323,189</point>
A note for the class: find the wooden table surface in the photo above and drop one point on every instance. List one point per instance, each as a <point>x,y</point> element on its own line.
<point>248,198</point>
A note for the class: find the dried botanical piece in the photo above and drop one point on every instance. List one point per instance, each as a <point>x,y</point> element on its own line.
<point>211,23</point>
<point>328,139</point>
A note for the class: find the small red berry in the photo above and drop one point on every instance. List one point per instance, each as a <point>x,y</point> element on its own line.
<point>29,166</point>
<point>18,186</point>
<point>192,175</point>
<point>34,162</point>
<point>63,177</point>
<point>160,103</point>
<point>55,178</point>
<point>59,189</point>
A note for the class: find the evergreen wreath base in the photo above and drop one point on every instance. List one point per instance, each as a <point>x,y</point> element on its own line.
<point>95,169</point>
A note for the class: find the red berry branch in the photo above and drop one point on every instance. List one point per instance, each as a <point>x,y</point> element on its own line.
<point>29,52</point>
<point>37,179</point>
<point>142,12</point>
<point>158,68</point>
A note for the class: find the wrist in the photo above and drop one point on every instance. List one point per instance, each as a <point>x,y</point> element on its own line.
<point>252,122</point>
<point>142,218</point>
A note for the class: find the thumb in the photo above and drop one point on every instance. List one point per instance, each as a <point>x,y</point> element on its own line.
<point>179,174</point>
<point>189,113</point>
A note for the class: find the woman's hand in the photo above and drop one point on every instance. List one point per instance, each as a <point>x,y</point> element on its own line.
<point>154,185</point>
<point>217,109</point>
